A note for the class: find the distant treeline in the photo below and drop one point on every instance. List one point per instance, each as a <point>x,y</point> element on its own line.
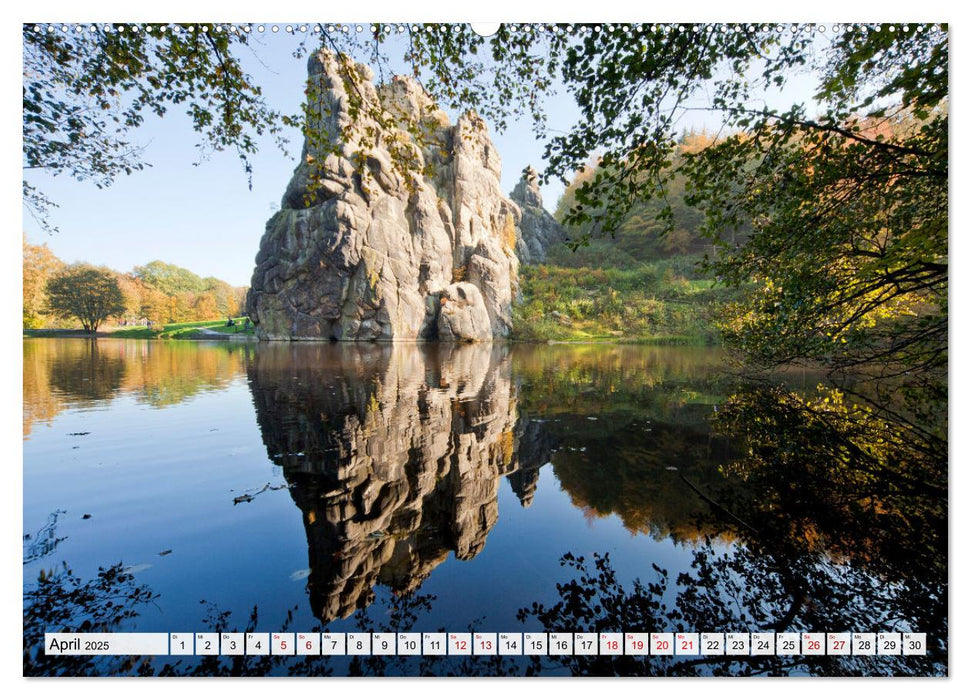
<point>157,291</point>
<point>641,236</point>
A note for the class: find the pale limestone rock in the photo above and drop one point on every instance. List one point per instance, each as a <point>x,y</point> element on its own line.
<point>538,230</point>
<point>366,254</point>
<point>463,314</point>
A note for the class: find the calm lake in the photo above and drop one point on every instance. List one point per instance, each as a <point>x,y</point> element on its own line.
<point>302,487</point>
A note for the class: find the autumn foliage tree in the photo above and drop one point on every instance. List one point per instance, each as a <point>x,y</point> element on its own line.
<point>645,232</point>
<point>89,294</point>
<point>40,264</point>
<point>174,294</point>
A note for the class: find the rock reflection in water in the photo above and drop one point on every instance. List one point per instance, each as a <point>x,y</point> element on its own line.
<point>394,456</point>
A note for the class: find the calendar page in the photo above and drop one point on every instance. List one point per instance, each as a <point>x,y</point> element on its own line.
<point>437,348</point>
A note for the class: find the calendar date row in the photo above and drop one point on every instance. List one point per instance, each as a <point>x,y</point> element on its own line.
<point>490,643</point>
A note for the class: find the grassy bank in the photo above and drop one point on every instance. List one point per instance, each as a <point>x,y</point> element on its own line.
<point>188,330</point>
<point>650,303</point>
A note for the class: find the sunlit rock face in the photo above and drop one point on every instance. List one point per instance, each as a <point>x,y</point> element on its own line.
<point>538,230</point>
<point>394,455</point>
<point>364,253</point>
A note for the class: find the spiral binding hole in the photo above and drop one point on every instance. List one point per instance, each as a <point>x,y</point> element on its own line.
<point>558,30</point>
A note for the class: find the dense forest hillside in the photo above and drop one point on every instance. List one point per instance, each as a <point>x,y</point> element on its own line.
<point>646,280</point>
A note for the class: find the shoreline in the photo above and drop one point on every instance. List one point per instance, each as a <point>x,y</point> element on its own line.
<point>197,334</point>
<point>206,335</point>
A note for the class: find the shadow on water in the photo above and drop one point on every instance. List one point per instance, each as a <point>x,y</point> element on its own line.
<point>802,510</point>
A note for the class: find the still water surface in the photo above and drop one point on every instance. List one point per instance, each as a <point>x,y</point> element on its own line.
<point>417,488</point>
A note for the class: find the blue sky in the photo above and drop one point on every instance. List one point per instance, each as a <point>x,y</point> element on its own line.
<point>204,217</point>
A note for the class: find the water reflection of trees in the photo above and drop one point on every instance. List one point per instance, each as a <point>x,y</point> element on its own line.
<point>636,467</point>
<point>809,509</point>
<point>836,475</point>
<point>394,456</point>
<point>840,517</point>
<point>586,379</point>
<point>631,423</point>
<point>78,373</point>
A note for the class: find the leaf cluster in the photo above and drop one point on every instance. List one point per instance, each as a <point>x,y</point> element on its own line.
<point>87,89</point>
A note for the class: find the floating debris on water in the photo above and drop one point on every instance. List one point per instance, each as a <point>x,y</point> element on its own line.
<point>247,497</point>
<point>135,568</point>
<point>299,574</point>
<point>165,552</point>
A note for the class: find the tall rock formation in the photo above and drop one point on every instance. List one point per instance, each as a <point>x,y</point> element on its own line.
<point>538,230</point>
<point>364,249</point>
